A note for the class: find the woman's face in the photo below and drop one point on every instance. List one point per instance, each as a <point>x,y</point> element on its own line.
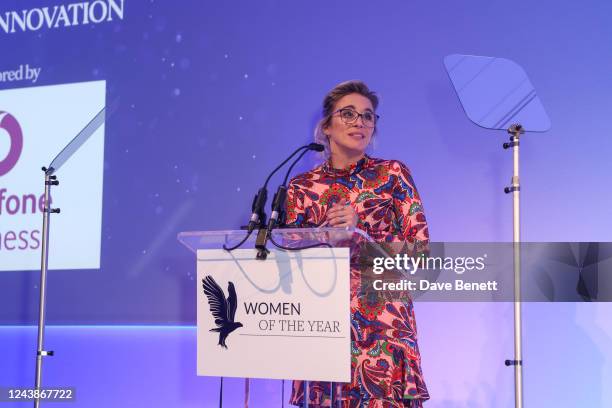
<point>354,137</point>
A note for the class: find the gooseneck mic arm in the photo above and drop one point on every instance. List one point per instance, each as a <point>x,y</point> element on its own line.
<point>314,147</point>
<point>278,203</point>
<point>258,215</point>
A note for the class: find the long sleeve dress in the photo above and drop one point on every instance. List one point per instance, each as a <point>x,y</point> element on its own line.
<point>385,358</point>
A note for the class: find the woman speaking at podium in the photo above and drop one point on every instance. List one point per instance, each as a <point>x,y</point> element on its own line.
<point>351,189</point>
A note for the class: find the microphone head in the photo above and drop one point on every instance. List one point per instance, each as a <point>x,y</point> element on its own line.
<point>317,147</point>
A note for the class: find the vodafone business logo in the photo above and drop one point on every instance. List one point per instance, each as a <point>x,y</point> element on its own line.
<point>11,126</point>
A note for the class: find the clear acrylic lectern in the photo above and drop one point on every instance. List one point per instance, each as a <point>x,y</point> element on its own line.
<point>276,318</point>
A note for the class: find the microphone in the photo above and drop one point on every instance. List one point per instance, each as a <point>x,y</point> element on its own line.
<point>258,215</point>
<point>257,208</point>
<point>278,202</point>
<point>317,147</point>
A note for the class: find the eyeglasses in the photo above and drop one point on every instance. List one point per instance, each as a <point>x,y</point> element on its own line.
<point>349,116</point>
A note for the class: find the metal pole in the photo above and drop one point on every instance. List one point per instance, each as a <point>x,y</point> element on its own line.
<point>247,392</point>
<point>516,130</point>
<point>306,394</point>
<point>221,393</point>
<point>283,394</point>
<point>44,258</point>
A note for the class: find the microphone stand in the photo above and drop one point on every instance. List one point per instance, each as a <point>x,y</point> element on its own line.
<point>278,204</point>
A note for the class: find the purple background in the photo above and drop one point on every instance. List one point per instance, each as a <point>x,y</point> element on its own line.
<point>213,94</point>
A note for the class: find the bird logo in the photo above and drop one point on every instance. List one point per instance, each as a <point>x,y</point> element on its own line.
<point>222,309</point>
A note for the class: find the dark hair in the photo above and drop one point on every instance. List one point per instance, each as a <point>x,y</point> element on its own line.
<point>329,104</point>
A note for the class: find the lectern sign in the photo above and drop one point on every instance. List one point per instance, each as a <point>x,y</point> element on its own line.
<point>285,318</point>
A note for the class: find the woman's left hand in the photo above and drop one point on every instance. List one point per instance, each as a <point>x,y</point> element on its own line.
<point>342,214</point>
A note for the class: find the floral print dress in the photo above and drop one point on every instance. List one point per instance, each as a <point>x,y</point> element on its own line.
<point>385,358</point>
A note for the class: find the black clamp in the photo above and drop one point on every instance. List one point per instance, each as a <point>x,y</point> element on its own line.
<point>45,353</point>
<point>510,189</point>
<point>53,181</point>
<point>514,141</point>
<point>49,170</point>
<point>513,362</point>
<point>516,129</point>
<point>511,144</point>
<point>260,244</point>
